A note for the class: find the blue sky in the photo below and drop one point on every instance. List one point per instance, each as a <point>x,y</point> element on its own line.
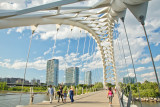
<point>14,44</point>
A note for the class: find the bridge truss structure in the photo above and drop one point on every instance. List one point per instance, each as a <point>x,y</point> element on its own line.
<point>98,20</point>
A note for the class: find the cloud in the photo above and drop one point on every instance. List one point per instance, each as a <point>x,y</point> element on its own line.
<point>20,29</point>
<point>144,68</point>
<point>157,58</point>
<point>90,62</point>
<point>58,51</point>
<point>137,37</point>
<point>130,74</point>
<point>49,32</point>
<point>9,5</point>
<point>152,79</point>
<point>39,64</point>
<point>9,31</point>
<point>7,60</point>
<point>151,74</point>
<point>145,60</point>
<point>48,51</point>
<point>148,59</point>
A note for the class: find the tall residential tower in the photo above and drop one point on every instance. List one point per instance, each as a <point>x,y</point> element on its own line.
<point>88,78</point>
<point>52,72</point>
<point>72,76</point>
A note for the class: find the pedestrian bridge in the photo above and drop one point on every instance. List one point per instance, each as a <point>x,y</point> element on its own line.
<point>93,99</point>
<point>99,21</point>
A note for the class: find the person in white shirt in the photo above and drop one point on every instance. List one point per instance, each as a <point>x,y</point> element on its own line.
<point>51,93</point>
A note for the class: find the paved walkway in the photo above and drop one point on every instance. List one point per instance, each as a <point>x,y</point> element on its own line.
<point>94,99</point>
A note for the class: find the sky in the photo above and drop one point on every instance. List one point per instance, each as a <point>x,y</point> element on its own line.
<point>14,45</point>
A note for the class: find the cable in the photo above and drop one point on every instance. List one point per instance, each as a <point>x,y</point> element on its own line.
<point>96,62</point>
<point>92,52</point>
<point>126,65</point>
<point>55,42</point>
<point>131,59</point>
<point>77,49</point>
<point>27,62</point>
<point>97,66</point>
<point>84,49</point>
<point>67,51</point>
<point>124,56</point>
<point>88,51</point>
<point>151,56</point>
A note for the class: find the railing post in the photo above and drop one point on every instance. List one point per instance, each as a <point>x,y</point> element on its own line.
<point>129,99</point>
<point>55,93</point>
<point>122,98</point>
<point>31,95</point>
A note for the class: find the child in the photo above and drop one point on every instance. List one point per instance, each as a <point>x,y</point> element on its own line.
<point>65,96</point>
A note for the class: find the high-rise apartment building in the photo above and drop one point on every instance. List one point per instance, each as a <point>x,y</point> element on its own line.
<point>52,72</point>
<point>127,80</point>
<point>88,78</point>
<point>72,76</point>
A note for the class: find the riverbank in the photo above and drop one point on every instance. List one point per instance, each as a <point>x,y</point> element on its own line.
<point>147,99</point>
<point>17,92</point>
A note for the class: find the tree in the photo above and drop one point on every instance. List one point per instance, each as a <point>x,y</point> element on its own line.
<point>109,85</point>
<point>65,88</point>
<point>3,86</point>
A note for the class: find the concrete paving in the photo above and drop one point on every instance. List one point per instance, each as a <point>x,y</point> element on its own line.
<point>93,99</point>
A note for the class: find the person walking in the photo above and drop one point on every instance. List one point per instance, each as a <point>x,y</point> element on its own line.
<point>110,95</point>
<point>71,93</point>
<point>60,93</point>
<point>51,93</point>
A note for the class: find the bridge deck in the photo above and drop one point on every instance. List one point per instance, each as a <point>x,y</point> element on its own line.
<point>96,99</point>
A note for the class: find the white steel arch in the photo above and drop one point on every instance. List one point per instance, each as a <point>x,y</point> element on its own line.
<point>98,20</point>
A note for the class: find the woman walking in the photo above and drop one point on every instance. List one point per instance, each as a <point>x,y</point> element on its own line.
<point>110,95</point>
<point>71,93</point>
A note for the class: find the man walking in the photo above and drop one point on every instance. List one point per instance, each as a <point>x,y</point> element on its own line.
<point>60,93</point>
<point>51,93</point>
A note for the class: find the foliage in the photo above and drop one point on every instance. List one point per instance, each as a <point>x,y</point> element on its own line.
<point>98,85</point>
<point>110,85</point>
<point>65,88</point>
<point>147,89</point>
<point>3,86</point>
<point>86,88</point>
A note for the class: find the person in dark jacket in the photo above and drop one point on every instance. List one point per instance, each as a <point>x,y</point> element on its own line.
<point>60,93</point>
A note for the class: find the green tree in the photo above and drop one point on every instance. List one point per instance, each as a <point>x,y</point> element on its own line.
<point>65,88</point>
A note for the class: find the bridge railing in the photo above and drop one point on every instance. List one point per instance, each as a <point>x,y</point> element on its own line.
<point>124,101</point>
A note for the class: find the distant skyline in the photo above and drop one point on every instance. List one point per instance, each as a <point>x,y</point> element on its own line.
<point>14,44</point>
